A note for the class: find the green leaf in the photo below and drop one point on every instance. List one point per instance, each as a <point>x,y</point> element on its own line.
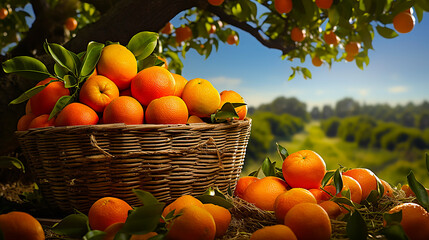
<point>306,73</point>
<point>356,227</point>
<point>146,198</point>
<point>268,168</point>
<point>142,44</point>
<point>338,181</point>
<point>419,190</point>
<point>91,58</point>
<point>334,16</point>
<point>60,71</point>
<point>70,81</point>
<point>393,218</point>
<point>143,219</point>
<point>28,94</point>
<point>423,4</point>
<point>394,232</point>
<point>227,111</point>
<point>122,236</point>
<point>62,56</point>
<point>11,162</point>
<point>215,200</point>
<point>283,153</point>
<point>292,76</point>
<point>27,67</point>
<point>386,32</point>
<point>147,62</point>
<point>60,104</point>
<point>94,235</point>
<point>214,192</point>
<point>74,225</point>
<point>427,161</point>
<point>255,173</point>
<point>327,177</point>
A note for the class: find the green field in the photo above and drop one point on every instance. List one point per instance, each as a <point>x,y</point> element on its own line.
<point>391,166</point>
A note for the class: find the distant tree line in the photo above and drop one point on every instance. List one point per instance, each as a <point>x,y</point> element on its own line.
<point>408,115</point>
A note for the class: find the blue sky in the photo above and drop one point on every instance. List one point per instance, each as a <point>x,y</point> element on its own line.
<point>398,72</point>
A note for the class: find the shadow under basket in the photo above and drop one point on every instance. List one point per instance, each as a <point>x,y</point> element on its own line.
<point>75,166</point>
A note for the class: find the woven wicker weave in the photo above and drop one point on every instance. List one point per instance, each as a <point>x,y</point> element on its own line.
<point>75,166</point>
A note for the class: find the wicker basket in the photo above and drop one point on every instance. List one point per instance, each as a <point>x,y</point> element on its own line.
<point>75,166</point>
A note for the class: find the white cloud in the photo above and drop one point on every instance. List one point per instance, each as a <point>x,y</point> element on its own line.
<point>398,89</point>
<point>363,92</point>
<point>225,83</point>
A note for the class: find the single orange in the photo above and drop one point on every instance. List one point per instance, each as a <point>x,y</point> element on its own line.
<point>107,211</point>
<point>124,109</point>
<point>263,192</point>
<point>309,221</point>
<point>113,229</point>
<point>285,201</point>
<point>317,62</point>
<point>407,190</point>
<point>180,203</point>
<point>180,84</point>
<point>76,114</point>
<point>233,97</point>
<point>3,13</point>
<point>297,34</point>
<point>304,169</point>
<point>351,184</point>
<point>275,232</point>
<point>44,101</point>
<point>332,209</point>
<point>215,2</point>
<point>25,121</point>
<point>183,33</point>
<point>352,49</point>
<point>349,58</point>
<point>324,4</point>
<point>71,23</point>
<point>167,110</point>
<point>167,29</point>
<point>366,179</point>
<point>118,64</point>
<point>388,190</point>
<point>242,185</point>
<point>194,119</point>
<point>283,6</point>
<point>331,38</point>
<point>320,195</point>
<point>41,121</point>
<point>20,225</point>
<point>232,39</point>
<point>152,83</point>
<point>404,22</point>
<point>97,92</point>
<point>415,220</point>
<point>28,107</point>
<point>194,223</point>
<point>221,216</point>
<point>201,97</point>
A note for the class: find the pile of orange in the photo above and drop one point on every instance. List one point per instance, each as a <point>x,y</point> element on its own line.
<point>117,93</point>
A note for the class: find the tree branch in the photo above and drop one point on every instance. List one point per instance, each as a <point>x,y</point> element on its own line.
<point>255,32</point>
<point>101,5</point>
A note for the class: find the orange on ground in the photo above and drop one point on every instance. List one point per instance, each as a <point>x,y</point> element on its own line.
<point>283,6</point>
<point>113,229</point>
<point>44,101</point>
<point>233,97</point>
<point>324,4</point>
<point>365,177</point>
<point>388,190</point>
<point>71,23</point>
<point>118,64</point>
<point>41,121</point>
<point>285,201</point>
<point>331,38</point>
<point>97,92</point>
<point>304,169</point>
<point>194,119</point>
<point>183,33</point>
<point>123,109</point>
<point>76,114</point>
<point>152,83</point>
<point>180,83</point>
<point>415,220</point>
<point>332,209</point>
<point>351,184</point>
<point>263,193</point>
<point>3,13</point>
<point>232,39</point>
<point>28,107</point>
<point>309,221</point>
<point>215,2</point>
<point>20,225</point>
<point>180,203</point>
<point>404,22</point>
<point>242,185</point>
<point>352,49</point>
<point>167,110</point>
<point>212,29</point>
<point>316,61</point>
<point>201,97</point>
<point>107,211</point>
<point>194,223</point>
<point>275,232</point>
<point>221,216</point>
<point>297,34</point>
<point>25,121</point>
<point>167,29</point>
<point>320,195</point>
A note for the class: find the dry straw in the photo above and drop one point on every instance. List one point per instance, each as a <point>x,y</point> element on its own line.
<point>75,166</point>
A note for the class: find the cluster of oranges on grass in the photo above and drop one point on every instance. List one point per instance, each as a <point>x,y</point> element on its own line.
<point>117,93</point>
<point>304,208</point>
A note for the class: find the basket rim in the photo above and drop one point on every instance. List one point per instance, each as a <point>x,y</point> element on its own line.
<point>122,126</point>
